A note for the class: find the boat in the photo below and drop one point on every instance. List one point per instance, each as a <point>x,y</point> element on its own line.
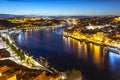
<point>112,49</point>
<point>24,29</point>
<point>15,32</point>
<point>43,61</point>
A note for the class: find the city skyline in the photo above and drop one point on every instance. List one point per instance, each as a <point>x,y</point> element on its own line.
<point>60,7</point>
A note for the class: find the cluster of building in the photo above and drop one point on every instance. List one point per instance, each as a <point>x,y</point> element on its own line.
<point>105,30</point>
<point>35,22</point>
<point>8,73</point>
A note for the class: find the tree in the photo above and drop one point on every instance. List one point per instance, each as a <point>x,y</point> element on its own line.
<point>73,75</point>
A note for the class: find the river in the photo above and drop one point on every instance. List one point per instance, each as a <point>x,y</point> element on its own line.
<point>65,53</point>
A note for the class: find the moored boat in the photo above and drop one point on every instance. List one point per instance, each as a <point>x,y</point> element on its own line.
<point>112,49</point>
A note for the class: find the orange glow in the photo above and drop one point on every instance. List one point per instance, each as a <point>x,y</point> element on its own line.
<point>85,51</point>
<point>96,55</point>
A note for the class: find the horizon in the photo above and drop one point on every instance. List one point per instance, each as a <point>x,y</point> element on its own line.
<point>60,7</point>
<point>60,15</point>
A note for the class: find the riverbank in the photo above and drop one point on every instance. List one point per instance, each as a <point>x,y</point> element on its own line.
<point>19,56</point>
<point>86,39</point>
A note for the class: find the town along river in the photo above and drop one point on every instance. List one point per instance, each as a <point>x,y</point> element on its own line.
<point>65,53</point>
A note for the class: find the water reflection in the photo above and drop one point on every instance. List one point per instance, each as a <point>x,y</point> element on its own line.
<point>26,35</point>
<point>96,55</point>
<point>79,50</point>
<point>86,51</point>
<point>91,47</point>
<point>114,60</point>
<point>21,38</point>
<point>66,42</point>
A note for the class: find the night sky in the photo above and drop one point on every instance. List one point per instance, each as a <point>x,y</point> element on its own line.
<point>60,7</point>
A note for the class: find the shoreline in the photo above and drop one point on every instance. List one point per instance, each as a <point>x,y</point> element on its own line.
<point>88,40</point>
<point>14,57</point>
<point>13,42</point>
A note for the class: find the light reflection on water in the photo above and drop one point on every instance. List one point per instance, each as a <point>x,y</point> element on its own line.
<point>97,55</point>
<point>85,50</point>
<point>114,60</point>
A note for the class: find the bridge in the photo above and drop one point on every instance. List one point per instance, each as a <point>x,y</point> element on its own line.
<point>42,27</point>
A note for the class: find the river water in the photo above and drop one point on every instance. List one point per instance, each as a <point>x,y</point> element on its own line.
<point>65,53</point>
